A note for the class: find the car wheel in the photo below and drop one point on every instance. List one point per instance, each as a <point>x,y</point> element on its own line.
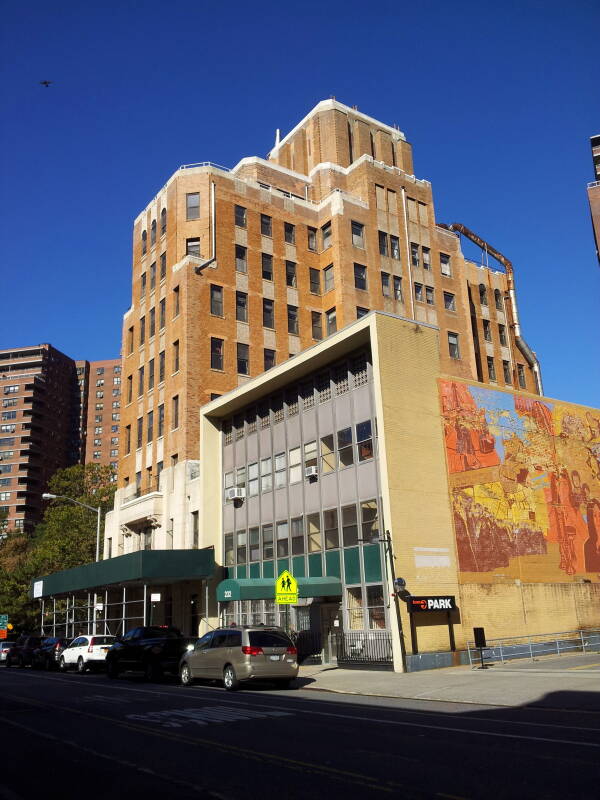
<point>112,669</point>
<point>81,665</point>
<point>185,675</point>
<point>62,664</point>
<point>230,681</point>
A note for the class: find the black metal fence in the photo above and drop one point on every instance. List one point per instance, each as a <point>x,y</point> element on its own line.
<point>348,648</point>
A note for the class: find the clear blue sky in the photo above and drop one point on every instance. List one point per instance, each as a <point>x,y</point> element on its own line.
<point>499,101</point>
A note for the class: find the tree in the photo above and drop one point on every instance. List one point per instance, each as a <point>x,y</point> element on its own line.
<point>65,538</point>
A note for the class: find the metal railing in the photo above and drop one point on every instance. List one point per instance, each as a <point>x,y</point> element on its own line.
<point>205,164</point>
<point>533,647</point>
<point>363,648</point>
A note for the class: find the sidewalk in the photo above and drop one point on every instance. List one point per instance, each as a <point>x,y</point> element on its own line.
<point>565,682</point>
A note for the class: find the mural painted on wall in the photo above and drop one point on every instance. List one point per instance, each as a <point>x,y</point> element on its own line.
<point>525,483</point>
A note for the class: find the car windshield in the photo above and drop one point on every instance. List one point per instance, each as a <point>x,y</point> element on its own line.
<point>268,639</point>
<point>102,640</point>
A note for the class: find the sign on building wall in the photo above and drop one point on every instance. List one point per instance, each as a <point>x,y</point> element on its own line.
<point>424,604</point>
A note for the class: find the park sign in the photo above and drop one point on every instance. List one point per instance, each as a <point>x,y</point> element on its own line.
<point>428,604</point>
<point>286,589</point>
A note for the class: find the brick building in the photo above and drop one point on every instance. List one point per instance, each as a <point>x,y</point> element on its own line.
<point>234,271</point>
<point>100,391</point>
<point>594,192</point>
<point>39,431</point>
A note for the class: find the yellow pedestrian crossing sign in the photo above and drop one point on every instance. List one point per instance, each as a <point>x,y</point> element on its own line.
<point>286,588</point>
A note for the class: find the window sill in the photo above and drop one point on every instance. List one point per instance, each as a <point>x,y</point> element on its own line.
<point>217,369</point>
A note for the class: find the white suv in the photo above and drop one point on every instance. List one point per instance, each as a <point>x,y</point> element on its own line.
<point>85,652</point>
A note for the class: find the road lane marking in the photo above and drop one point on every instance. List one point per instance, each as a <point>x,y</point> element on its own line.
<point>584,666</point>
<point>429,714</point>
<point>204,716</point>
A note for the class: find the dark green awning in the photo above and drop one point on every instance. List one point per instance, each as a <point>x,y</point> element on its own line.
<point>264,588</point>
<point>143,566</point>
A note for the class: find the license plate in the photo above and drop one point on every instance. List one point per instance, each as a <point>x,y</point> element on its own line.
<point>274,658</point>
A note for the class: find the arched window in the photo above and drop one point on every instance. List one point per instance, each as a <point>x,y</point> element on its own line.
<point>163,221</point>
<point>153,232</point>
<point>483,295</point>
<point>144,242</point>
<point>498,299</point>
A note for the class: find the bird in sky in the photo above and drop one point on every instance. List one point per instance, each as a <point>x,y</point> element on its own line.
<point>45,83</point>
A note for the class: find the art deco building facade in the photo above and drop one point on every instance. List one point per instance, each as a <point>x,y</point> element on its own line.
<point>237,270</point>
<point>594,192</point>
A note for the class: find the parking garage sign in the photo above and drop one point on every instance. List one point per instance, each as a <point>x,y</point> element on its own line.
<point>428,604</point>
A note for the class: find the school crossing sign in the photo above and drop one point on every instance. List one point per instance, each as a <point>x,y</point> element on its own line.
<point>286,589</point>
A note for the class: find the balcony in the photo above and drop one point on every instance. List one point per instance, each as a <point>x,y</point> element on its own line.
<point>142,509</point>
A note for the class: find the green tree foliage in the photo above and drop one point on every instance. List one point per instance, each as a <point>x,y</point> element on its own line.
<point>65,538</point>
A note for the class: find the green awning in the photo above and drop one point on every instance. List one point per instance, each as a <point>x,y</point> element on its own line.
<point>143,566</point>
<point>264,588</point>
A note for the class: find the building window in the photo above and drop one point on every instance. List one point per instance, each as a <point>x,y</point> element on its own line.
<point>349,526</point>
<point>163,266</point>
<point>383,243</point>
<point>358,234</point>
<point>453,346</point>
<point>176,356</point>
<point>241,262</point>
<point>506,370</point>
<point>449,302</point>
<point>144,243</point>
<point>395,247</point>
<point>240,216</point>
<point>498,299</point>
<point>268,313</point>
<point>150,426</point>
<point>360,277</point>
<point>192,205</point>
<point>266,475</point>
<point>290,274</point>
<point>267,538</point>
<point>328,277</point>
<point>216,300</point>
<point>142,285</point>
<point>175,412</point>
<point>153,276</point>
<point>292,318</point>
<point>130,341</point>
<point>267,266</point>
<point>163,221</point>
<point>345,449</point>
<point>129,388</point>
<point>176,301</point>
<point>152,323</point>
<point>140,431</point>
<point>266,225</point>
<point>269,358</point>
<point>317,325</point>
<point>295,465</point>
<point>297,536</point>
<point>312,239</point>
<point>397,288</point>
<point>419,292</point>
<point>243,364</point>
<point>491,368</point>
<point>331,318</point>
<point>127,439</point>
<point>361,312</point>
<point>445,264</point>
<point>192,246</point>
<point>162,313</point>
<point>521,376</point>
<point>330,525</point>
<point>483,295</point>
<point>161,420</point>
<point>216,353</point>
<point>161,366</point>
<point>241,306</point>
<point>487,330</point>
<point>289,232</point>
<point>414,255</point>
<point>502,335</point>
<point>326,235</point>
<point>364,440</point>
<point>142,330</point>
<point>253,479</point>
<point>314,280</point>
<point>150,376</point>
<point>385,284</point>
<point>140,381</point>
<point>313,529</point>
<point>426,256</point>
<point>429,295</point>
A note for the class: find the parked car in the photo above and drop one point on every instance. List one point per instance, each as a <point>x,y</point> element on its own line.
<point>21,652</point>
<point>85,652</point>
<point>47,655</point>
<point>4,648</point>
<point>239,654</point>
<point>153,650</point>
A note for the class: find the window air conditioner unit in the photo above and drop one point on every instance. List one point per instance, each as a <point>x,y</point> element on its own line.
<point>235,493</point>
<point>311,472</point>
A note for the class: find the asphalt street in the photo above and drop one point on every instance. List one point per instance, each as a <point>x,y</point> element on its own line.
<point>71,736</point>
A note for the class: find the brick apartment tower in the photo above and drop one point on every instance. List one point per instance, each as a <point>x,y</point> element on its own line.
<point>234,270</point>
<point>100,393</point>
<point>594,192</point>
<point>39,431</point>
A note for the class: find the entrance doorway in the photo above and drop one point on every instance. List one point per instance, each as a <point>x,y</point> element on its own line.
<point>331,626</point>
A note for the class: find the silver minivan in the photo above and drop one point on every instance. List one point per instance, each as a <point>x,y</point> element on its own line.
<point>239,654</point>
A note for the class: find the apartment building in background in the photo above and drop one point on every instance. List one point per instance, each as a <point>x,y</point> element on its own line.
<point>100,392</point>
<point>235,271</point>
<point>39,427</point>
<point>594,192</point>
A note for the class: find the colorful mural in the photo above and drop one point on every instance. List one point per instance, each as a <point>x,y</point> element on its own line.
<point>525,483</point>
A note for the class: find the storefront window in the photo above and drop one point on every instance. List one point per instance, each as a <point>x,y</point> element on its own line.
<point>256,612</point>
<point>313,524</point>
<point>270,613</point>
<point>330,523</point>
<point>354,605</point>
